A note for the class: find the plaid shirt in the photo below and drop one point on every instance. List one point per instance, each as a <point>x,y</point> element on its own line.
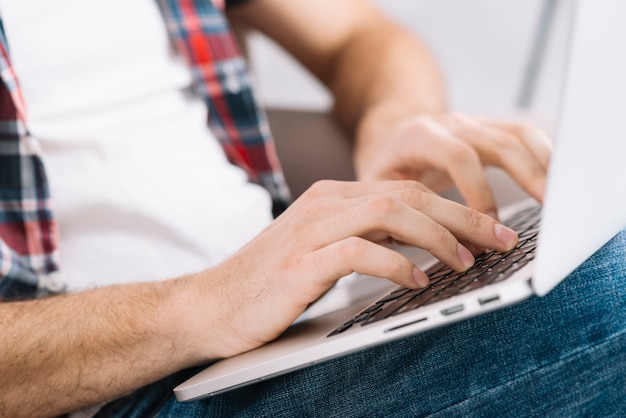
<point>28,230</point>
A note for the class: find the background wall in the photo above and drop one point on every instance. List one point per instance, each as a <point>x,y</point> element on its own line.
<point>483,47</point>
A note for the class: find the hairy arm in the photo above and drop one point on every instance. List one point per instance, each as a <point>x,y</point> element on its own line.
<point>65,352</point>
<point>368,62</point>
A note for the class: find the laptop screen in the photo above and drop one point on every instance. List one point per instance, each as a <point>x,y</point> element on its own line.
<point>584,202</point>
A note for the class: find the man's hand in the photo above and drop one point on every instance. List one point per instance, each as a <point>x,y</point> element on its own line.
<point>334,229</point>
<point>389,93</point>
<point>445,149</point>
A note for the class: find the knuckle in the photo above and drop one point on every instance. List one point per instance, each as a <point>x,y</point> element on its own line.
<point>321,188</point>
<point>421,125</point>
<point>416,186</point>
<point>398,266</point>
<point>441,238</point>
<point>350,248</point>
<point>505,140</point>
<point>460,153</point>
<point>464,123</point>
<point>520,129</point>
<point>475,222</point>
<point>416,197</point>
<point>523,128</point>
<point>381,207</point>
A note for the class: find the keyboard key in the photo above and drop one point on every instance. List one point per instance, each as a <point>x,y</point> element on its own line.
<point>491,267</point>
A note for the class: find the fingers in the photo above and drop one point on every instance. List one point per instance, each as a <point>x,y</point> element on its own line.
<point>440,149</point>
<point>355,254</point>
<point>520,150</point>
<point>535,139</point>
<point>468,225</point>
<point>418,218</point>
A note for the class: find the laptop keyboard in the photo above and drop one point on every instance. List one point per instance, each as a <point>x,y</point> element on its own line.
<point>491,267</point>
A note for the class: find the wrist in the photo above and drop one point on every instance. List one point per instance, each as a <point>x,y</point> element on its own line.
<point>377,125</point>
<point>187,320</point>
<point>199,316</point>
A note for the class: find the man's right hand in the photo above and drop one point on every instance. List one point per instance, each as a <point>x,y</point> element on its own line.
<point>334,229</point>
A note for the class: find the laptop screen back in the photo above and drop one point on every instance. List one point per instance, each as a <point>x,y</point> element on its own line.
<point>585,202</point>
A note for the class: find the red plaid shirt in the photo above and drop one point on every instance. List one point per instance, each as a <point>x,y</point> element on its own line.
<point>28,231</point>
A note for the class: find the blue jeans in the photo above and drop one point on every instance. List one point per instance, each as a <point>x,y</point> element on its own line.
<point>560,355</point>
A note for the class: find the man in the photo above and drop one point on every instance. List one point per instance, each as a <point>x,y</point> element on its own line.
<point>142,195</point>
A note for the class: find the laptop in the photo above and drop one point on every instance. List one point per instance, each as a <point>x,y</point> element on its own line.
<point>583,208</point>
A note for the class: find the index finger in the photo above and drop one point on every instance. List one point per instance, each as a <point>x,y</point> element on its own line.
<point>501,148</point>
<point>446,152</point>
<point>535,139</point>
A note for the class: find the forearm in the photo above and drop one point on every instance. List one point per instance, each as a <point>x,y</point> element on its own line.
<point>368,61</point>
<point>386,72</point>
<point>66,352</point>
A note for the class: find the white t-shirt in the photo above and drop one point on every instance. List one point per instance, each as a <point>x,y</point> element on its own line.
<point>140,187</point>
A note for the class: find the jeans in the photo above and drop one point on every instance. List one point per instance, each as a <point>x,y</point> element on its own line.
<point>560,355</point>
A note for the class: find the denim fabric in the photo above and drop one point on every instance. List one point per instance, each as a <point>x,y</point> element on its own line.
<point>560,355</point>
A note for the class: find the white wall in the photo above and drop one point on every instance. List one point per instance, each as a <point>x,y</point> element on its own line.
<point>482,46</point>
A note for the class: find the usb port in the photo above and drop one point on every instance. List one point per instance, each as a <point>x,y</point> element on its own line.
<point>452,310</point>
<point>488,299</point>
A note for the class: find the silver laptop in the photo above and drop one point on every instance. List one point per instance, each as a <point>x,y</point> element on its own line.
<point>583,208</point>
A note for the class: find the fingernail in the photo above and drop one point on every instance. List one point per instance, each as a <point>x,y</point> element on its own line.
<point>465,256</point>
<point>506,236</point>
<point>420,278</point>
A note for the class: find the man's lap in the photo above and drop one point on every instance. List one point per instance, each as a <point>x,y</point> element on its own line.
<point>563,354</point>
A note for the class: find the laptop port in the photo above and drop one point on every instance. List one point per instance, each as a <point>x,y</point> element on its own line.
<point>488,299</point>
<point>452,310</point>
